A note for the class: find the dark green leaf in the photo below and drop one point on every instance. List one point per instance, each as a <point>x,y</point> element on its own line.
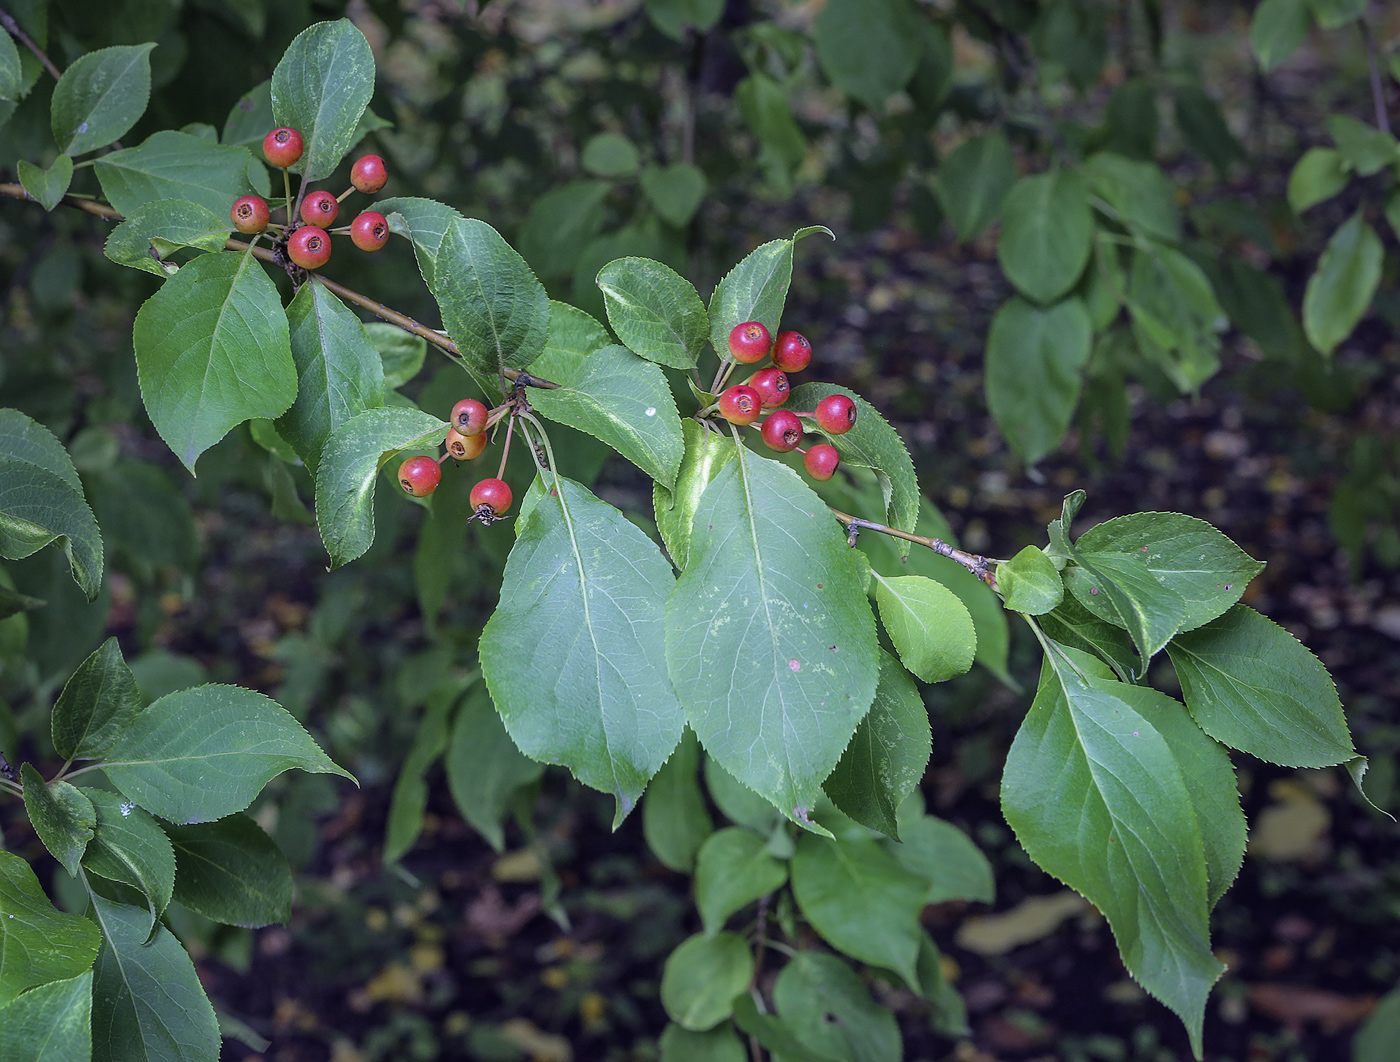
<point>1276,30</point>
<point>850,32</point>
<point>1047,232</point>
<point>1340,290</point>
<point>41,501</point>
<point>1140,194</point>
<point>1030,583</point>
<point>719,1044</point>
<point>11,72</point>
<point>732,870</point>
<point>129,848</point>
<point>232,872</point>
<point>830,1010</point>
<point>51,1023</point>
<point>320,88</point>
<point>485,769</point>
<point>942,855</point>
<point>155,229</point>
<point>1133,597</point>
<point>1319,175</point>
<point>410,797</point>
<point>675,820</point>
<point>171,165</point>
<point>1201,123</point>
<point>763,103</point>
<point>772,1033</point>
<point>60,814</point>
<point>1130,120</point>
<point>96,705</point>
<point>754,290</point>
<point>1074,625</point>
<point>38,944</point>
<point>1073,36</point>
<point>560,224</point>
<point>100,96</point>
<point>675,191</point>
<point>47,186</point>
<point>656,313</point>
<point>973,182</point>
<point>702,977</point>
<point>673,18</point>
<point>400,353</point>
<point>928,625</point>
<point>1333,14</point>
<point>736,801</point>
<point>610,155</point>
<point>250,119</point>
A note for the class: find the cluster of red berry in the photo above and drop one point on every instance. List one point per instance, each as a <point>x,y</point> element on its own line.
<point>466,439</point>
<point>308,244</point>
<point>767,389</point>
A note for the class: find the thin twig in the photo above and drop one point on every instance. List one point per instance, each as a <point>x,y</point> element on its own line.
<point>7,20</point>
<point>978,565</point>
<point>1377,83</point>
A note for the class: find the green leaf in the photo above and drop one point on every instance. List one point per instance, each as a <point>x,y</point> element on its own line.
<point>250,119</point>
<point>1030,583</point>
<point>1333,14</point>
<point>719,1044</point>
<point>320,88</point>
<point>400,353</point>
<point>1074,625</point>
<point>128,847</point>
<point>1074,37</point>
<point>1319,175</point>
<point>626,402</point>
<point>60,814</point>
<point>763,104</point>
<point>1140,194</point>
<point>849,32</point>
<point>1375,1040</point>
<point>1276,30</point>
<point>11,71</point>
<point>1252,686</point>
<point>610,155</point>
<point>888,754</point>
<point>772,1033</point>
<point>1047,232</point>
<point>675,820</point>
<point>200,754</point>
<point>754,290</point>
<point>212,351</point>
<point>47,186</point>
<point>492,306</point>
<point>147,1002</point>
<point>1035,361</point>
<point>771,591</point>
<point>51,1023</point>
<point>560,224</point>
<point>656,313</point>
<point>973,181</point>
<point>339,372</point>
<point>1340,290</point>
<point>732,870</point>
<point>100,96</point>
<point>1134,598</point>
<point>1174,308</point>
<point>1203,126</point>
<point>157,228</point>
<point>1366,149</point>
<point>706,452</point>
<point>232,872</point>
<point>928,624</point>
<point>673,18</point>
<point>349,468</point>
<point>423,221</point>
<point>675,191</point>
<point>410,797</point>
<point>939,853</point>
<point>37,507</point>
<point>38,944</point>
<point>702,977</point>
<point>484,768</point>
<point>1130,120</point>
<point>171,165</point>
<point>96,705</point>
<point>872,443</point>
<point>736,801</point>
<point>12,603</point>
<point>829,1009</point>
<point>860,900</point>
<point>24,439</point>
<point>570,654</point>
<point>1094,795</point>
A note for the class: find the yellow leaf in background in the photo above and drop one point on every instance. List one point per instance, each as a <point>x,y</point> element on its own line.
<point>535,1042</point>
<point>1030,920</point>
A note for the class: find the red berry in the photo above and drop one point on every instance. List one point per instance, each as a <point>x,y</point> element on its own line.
<point>368,174</point>
<point>494,494</point>
<point>320,209</point>
<point>419,476</point>
<point>821,461</point>
<point>749,342</point>
<point>782,431</point>
<point>792,352</point>
<point>465,447</point>
<point>469,416</point>
<point>283,147</point>
<point>772,387</point>
<point>249,214</point>
<point>836,414</point>
<point>370,231</point>
<point>740,405</point>
<point>309,247</point>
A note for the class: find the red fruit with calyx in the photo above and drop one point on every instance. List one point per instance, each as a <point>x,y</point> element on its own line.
<point>821,461</point>
<point>320,209</point>
<point>419,476</point>
<point>749,342</point>
<point>369,231</point>
<point>782,431</point>
<point>283,147</point>
<point>369,174</point>
<point>465,447</point>
<point>249,214</point>
<point>740,405</point>
<point>309,247</point>
<point>469,416</point>
<point>494,494</point>
<point>836,414</point>
<point>772,387</point>
<point>792,352</point>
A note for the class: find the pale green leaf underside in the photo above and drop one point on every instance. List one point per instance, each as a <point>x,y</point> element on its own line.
<point>656,313</point>
<point>38,507</point>
<point>165,224</point>
<point>928,624</point>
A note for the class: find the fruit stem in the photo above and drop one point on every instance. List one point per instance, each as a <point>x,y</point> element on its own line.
<point>548,449</point>
<point>287,191</point>
<point>345,194</point>
<point>505,448</point>
<point>978,565</point>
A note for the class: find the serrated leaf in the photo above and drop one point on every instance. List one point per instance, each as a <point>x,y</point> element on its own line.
<point>1340,290</point>
<point>754,290</point>
<point>939,853</point>
<point>212,351</point>
<point>1030,583</point>
<point>24,439</point>
<point>60,814</point>
<point>675,820</point>
<point>349,469</point>
<point>47,186</point>
<point>96,704</point>
<point>145,238</point>
<point>1276,30</point>
<point>147,1002</point>
<point>849,32</point>
<point>51,1023</point>
<point>38,944</point>
<point>860,900</point>
<point>771,591</point>
<point>706,452</point>
<point>1035,361</point>
<point>100,96</point>
<point>1094,795</point>
<point>569,655</point>
<point>232,872</point>
<point>1252,686</point>
<point>928,624</point>
<point>200,754</point>
<point>339,372</point>
<point>626,402</point>
<point>560,224</point>
<point>656,313</point>
<point>736,801</point>
<point>1133,597</point>
<point>38,506</point>
<point>171,165</point>
<point>1047,232</point>
<point>702,977</point>
<point>425,223</point>
<point>675,191</point>
<point>973,181</point>
<point>1140,194</point>
<point>128,847</point>
<point>829,1009</point>
<point>732,870</point>
<point>320,88</point>
<point>887,755</point>
<point>1316,177</point>
<point>11,70</point>
<point>1074,625</point>
<point>250,119</point>
<point>484,768</point>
